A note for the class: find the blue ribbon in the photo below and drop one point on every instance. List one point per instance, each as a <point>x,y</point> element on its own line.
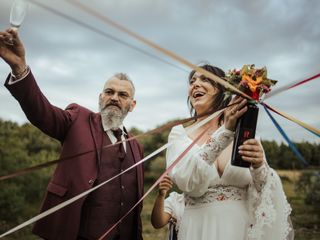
<point>312,132</point>
<point>284,135</point>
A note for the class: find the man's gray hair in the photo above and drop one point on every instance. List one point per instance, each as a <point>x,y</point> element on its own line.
<point>123,76</point>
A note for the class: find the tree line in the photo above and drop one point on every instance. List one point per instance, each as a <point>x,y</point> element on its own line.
<point>22,146</point>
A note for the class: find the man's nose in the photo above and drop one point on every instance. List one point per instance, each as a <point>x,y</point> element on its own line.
<point>115,97</point>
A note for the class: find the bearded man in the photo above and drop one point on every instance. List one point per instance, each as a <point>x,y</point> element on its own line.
<point>80,130</point>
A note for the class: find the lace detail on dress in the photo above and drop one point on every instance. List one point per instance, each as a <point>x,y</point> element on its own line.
<point>266,212</point>
<point>259,176</point>
<point>217,193</point>
<point>219,140</point>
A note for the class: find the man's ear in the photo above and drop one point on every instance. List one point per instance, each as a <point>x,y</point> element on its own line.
<point>100,97</point>
<point>132,105</point>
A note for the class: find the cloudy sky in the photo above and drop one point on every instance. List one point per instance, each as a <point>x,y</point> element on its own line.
<point>71,62</point>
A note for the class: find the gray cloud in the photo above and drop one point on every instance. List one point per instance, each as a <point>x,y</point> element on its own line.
<point>72,63</point>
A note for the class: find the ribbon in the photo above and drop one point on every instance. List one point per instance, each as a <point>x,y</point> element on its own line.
<point>289,86</point>
<point>302,124</point>
<point>157,182</point>
<point>183,61</point>
<point>304,81</point>
<point>98,31</point>
<point>285,136</point>
<point>215,78</point>
<point>156,130</point>
<point>75,198</point>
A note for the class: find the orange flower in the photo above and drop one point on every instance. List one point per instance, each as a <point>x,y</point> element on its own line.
<point>251,82</point>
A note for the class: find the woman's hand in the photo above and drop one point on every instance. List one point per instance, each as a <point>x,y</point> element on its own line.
<point>232,113</point>
<point>13,54</point>
<point>159,217</point>
<point>164,186</point>
<point>251,151</point>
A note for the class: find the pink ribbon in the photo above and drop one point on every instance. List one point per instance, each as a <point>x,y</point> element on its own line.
<point>157,182</point>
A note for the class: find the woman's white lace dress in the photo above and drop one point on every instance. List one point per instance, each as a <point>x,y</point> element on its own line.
<point>241,204</point>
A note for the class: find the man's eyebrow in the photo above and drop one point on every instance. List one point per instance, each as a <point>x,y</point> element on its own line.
<point>120,91</point>
<point>106,89</point>
<point>123,91</point>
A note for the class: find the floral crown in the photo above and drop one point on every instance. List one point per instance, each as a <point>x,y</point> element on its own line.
<point>250,80</point>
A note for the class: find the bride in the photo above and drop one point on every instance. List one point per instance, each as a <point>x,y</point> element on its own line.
<point>222,201</point>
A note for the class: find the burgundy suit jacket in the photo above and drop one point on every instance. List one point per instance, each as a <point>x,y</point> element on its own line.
<point>79,130</point>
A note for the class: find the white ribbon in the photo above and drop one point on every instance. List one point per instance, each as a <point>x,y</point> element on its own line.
<point>75,198</point>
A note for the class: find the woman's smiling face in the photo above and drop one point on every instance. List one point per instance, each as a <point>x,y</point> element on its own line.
<point>201,92</point>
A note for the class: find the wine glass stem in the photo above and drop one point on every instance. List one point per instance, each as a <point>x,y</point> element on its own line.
<point>14,28</point>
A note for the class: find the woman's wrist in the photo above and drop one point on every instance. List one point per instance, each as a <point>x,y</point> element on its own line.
<point>257,165</point>
<point>162,194</point>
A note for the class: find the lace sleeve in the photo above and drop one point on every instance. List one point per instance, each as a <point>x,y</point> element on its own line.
<point>259,176</point>
<point>269,210</point>
<point>219,140</point>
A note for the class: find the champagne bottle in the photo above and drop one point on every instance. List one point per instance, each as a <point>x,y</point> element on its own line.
<point>245,129</point>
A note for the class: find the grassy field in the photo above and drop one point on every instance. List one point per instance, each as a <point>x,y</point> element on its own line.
<point>149,233</point>
<point>305,222</point>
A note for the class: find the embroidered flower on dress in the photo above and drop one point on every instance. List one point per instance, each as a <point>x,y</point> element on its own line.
<point>262,203</point>
<point>217,193</point>
<point>219,140</point>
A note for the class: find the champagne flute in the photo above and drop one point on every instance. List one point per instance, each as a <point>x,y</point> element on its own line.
<point>18,12</point>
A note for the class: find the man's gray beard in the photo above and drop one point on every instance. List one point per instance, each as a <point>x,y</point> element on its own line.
<point>112,118</point>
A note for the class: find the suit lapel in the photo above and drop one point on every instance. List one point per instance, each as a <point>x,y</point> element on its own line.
<point>97,134</point>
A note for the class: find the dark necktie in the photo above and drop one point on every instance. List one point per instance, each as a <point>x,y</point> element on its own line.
<point>118,133</point>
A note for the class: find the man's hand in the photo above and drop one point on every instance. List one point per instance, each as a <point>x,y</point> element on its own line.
<point>14,54</point>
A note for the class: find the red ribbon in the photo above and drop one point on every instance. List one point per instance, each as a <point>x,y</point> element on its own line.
<point>306,80</point>
<point>287,87</point>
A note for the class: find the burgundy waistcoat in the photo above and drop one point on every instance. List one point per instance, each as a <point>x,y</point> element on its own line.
<point>106,205</point>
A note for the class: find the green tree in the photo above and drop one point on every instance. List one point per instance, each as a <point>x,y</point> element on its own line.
<point>22,147</point>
